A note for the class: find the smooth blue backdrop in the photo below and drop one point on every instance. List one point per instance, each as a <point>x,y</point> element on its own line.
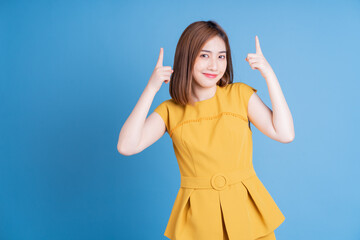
<point>72,71</point>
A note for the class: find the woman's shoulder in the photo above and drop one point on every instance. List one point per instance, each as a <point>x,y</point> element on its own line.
<point>170,105</point>
<point>236,85</point>
<point>239,88</point>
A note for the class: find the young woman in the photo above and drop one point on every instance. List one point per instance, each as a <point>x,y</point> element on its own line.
<point>208,118</point>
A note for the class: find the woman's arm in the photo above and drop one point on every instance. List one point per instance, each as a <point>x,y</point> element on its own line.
<point>138,132</point>
<point>277,124</point>
<point>131,132</point>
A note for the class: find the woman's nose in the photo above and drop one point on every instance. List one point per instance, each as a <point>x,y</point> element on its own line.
<point>212,64</point>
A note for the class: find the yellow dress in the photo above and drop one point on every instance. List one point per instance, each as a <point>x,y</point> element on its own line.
<point>219,188</point>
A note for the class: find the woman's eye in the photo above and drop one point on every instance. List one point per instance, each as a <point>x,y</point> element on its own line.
<point>222,56</point>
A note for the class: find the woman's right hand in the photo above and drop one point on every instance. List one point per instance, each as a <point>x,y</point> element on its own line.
<point>161,73</point>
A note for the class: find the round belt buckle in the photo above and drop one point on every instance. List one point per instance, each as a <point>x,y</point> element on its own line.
<point>219,181</point>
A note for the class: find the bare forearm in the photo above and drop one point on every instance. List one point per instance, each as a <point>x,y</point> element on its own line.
<point>281,116</point>
<point>131,131</point>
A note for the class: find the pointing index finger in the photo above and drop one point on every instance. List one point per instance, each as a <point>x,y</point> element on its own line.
<point>160,59</point>
<point>257,45</point>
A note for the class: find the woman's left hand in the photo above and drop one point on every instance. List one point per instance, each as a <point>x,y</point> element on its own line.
<point>258,61</point>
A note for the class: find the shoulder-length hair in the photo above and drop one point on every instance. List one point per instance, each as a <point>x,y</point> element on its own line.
<point>189,46</point>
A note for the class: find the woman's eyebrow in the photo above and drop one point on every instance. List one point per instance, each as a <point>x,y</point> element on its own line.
<point>211,51</point>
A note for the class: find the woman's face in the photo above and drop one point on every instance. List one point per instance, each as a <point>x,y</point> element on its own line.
<point>211,60</point>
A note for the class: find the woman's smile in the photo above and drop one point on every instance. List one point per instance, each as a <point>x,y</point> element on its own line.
<point>210,75</point>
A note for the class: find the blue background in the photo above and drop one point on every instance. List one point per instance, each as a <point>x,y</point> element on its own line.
<point>72,71</point>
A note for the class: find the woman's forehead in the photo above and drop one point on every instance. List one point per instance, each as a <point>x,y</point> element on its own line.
<point>215,44</point>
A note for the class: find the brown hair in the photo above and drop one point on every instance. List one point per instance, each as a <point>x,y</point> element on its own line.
<point>190,43</point>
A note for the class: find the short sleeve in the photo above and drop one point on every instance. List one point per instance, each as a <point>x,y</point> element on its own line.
<point>245,93</point>
<point>163,111</point>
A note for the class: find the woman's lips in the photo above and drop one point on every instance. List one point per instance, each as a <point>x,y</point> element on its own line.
<point>210,75</point>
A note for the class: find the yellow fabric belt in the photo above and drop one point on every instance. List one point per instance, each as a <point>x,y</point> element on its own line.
<point>219,181</point>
